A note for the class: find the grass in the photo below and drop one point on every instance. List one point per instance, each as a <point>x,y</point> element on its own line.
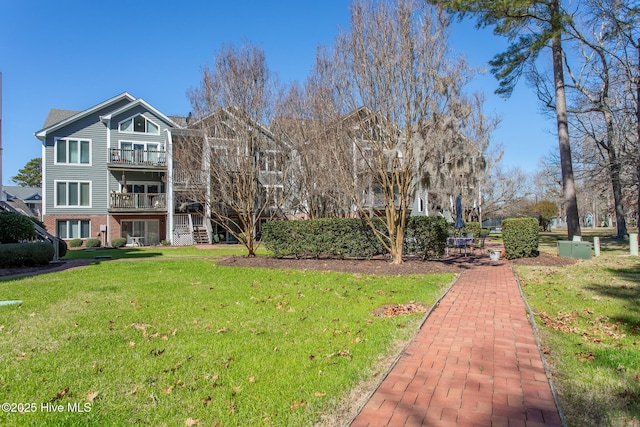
<point>181,341</point>
<point>589,319</point>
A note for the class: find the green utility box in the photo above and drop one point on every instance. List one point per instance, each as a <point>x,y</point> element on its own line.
<point>578,250</point>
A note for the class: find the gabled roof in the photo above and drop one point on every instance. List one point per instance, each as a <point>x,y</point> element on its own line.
<point>22,193</point>
<point>42,134</point>
<point>136,103</point>
<point>56,116</point>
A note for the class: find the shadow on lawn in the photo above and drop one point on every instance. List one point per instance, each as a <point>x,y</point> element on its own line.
<point>110,253</point>
<point>627,294</point>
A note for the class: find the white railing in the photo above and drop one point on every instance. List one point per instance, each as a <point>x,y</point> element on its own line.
<point>156,201</point>
<point>121,156</point>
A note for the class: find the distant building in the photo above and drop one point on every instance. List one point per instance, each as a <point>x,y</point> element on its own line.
<point>26,200</point>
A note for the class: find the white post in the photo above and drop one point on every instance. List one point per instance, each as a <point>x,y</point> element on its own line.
<point>633,244</point>
<point>596,245</point>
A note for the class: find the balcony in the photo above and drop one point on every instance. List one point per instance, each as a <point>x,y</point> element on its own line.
<point>138,202</point>
<point>120,158</point>
<point>185,180</point>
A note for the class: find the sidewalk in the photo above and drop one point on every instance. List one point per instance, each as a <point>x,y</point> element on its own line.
<point>474,363</point>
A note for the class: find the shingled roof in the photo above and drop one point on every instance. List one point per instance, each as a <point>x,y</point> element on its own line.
<point>56,116</point>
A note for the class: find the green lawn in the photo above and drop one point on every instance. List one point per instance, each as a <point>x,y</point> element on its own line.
<point>173,340</point>
<point>589,316</point>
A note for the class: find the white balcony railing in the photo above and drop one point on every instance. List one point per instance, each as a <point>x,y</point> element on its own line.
<point>122,157</point>
<point>132,201</point>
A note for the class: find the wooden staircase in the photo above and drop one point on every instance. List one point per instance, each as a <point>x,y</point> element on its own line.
<point>200,236</point>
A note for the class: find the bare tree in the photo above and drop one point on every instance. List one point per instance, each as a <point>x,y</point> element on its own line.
<point>400,95</point>
<point>308,118</point>
<point>236,161</point>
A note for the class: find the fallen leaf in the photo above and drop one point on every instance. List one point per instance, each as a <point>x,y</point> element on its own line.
<point>191,422</point>
<point>297,405</point>
<point>92,395</point>
<point>206,400</point>
<point>60,395</point>
<point>133,391</point>
<point>320,393</point>
<point>132,344</point>
<point>252,379</point>
<point>168,389</point>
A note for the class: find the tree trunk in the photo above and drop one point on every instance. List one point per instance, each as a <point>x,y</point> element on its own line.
<point>568,185</point>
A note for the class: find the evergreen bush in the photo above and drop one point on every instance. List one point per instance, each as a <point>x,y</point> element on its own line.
<point>119,242</point>
<point>15,228</point>
<point>349,237</point>
<point>520,236</point>
<point>75,243</point>
<point>25,254</point>
<point>92,243</point>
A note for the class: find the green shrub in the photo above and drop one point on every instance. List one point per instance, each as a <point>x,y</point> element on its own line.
<point>25,254</point>
<point>520,237</point>
<point>92,243</point>
<point>62,248</point>
<point>350,237</point>
<point>165,242</point>
<point>15,228</point>
<point>426,236</point>
<point>75,243</point>
<point>119,242</point>
<point>324,237</point>
<point>473,227</point>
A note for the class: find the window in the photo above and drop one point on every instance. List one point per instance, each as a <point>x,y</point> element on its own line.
<point>73,151</point>
<point>274,194</point>
<point>73,229</point>
<point>141,152</point>
<point>139,124</point>
<point>72,193</point>
<point>420,204</point>
<point>270,161</point>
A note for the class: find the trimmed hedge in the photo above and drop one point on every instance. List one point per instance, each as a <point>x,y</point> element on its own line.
<point>75,243</point>
<point>119,242</point>
<point>426,236</point>
<point>520,236</point>
<point>25,254</point>
<point>349,237</point>
<point>15,228</point>
<point>92,243</point>
<point>326,237</point>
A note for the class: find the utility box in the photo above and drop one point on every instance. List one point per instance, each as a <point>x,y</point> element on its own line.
<point>572,249</point>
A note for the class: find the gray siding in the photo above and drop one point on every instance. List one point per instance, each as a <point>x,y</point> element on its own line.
<point>87,128</point>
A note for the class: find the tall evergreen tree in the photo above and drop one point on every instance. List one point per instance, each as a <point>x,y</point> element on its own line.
<point>530,26</point>
<point>30,175</point>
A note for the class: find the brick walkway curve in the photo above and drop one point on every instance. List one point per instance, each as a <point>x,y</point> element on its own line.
<point>474,362</point>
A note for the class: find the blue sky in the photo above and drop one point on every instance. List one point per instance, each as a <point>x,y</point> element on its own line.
<point>75,54</point>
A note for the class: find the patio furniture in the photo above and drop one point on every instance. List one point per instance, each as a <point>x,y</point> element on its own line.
<point>460,243</point>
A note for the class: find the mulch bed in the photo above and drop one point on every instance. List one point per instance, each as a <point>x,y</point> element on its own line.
<point>451,264</point>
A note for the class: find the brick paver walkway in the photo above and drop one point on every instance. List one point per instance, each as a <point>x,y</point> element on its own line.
<point>474,363</point>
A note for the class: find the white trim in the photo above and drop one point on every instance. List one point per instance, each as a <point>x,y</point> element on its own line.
<point>146,105</point>
<point>67,163</point>
<point>80,228</point>
<point>44,180</point>
<point>55,194</point>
